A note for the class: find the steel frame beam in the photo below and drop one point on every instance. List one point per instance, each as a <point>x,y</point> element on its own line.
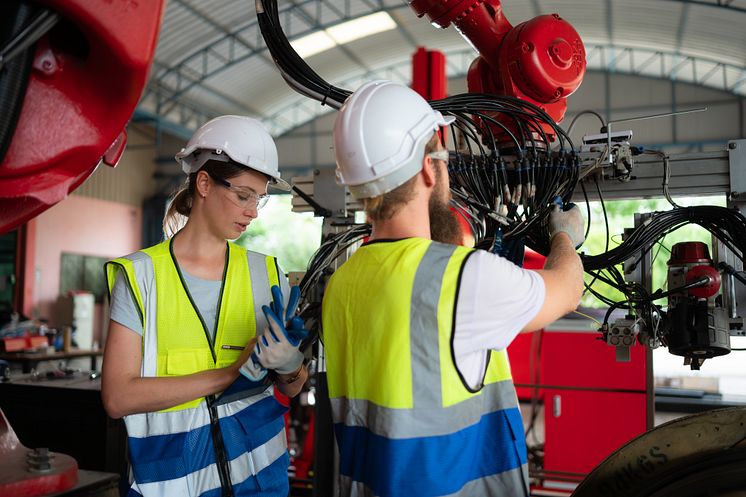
<point>693,174</point>
<point>302,110</point>
<point>299,18</point>
<point>719,4</point>
<point>167,94</point>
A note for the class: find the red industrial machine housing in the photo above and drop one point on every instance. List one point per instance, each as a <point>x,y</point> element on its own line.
<point>541,61</point>
<point>593,404</point>
<point>27,473</point>
<point>699,324</point>
<point>86,76</point>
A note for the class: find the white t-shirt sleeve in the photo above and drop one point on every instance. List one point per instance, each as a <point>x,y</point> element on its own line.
<point>496,300</point>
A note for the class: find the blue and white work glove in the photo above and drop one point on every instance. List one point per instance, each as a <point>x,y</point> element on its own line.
<point>279,347</point>
<point>569,221</point>
<point>253,380</point>
<point>253,370</point>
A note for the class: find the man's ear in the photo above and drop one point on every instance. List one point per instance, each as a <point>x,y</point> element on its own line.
<point>428,171</point>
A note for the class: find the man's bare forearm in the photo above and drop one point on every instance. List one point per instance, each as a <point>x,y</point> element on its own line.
<point>562,252</point>
<point>563,258</point>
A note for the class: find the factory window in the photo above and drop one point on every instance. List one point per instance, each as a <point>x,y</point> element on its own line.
<point>289,236</point>
<point>620,215</point>
<point>7,270</point>
<point>82,272</point>
<point>720,377</point>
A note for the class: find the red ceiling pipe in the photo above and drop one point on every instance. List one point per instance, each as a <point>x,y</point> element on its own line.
<point>429,76</point>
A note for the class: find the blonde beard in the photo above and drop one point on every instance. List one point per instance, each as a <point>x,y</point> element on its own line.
<point>444,226</point>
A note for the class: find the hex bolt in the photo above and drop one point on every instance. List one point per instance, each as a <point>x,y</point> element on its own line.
<point>39,460</point>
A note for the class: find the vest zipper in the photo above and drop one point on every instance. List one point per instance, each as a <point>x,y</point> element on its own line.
<point>221,458</point>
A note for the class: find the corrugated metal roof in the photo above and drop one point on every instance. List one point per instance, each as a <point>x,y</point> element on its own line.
<point>211,55</point>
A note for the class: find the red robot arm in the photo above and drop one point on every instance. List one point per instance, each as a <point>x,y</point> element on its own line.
<point>541,61</point>
<point>85,78</point>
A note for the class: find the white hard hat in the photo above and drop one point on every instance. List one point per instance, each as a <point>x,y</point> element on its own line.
<point>240,139</point>
<point>380,135</point>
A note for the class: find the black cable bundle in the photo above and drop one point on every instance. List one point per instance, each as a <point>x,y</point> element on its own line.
<point>508,189</point>
<point>728,226</point>
<point>296,72</point>
<point>314,281</point>
<point>334,246</point>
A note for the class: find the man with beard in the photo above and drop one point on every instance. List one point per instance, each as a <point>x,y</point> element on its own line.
<point>415,330</point>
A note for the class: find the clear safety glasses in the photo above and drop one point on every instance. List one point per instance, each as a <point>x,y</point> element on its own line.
<point>242,196</point>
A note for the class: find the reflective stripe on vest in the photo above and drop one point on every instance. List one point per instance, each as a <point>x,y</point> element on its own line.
<point>168,461</point>
<point>405,421</point>
<point>174,451</point>
<point>503,485</point>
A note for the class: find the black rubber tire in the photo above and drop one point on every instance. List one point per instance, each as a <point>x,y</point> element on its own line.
<point>723,475</point>
<point>701,455</point>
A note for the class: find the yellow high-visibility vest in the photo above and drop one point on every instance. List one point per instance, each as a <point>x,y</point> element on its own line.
<point>182,342</point>
<point>405,420</point>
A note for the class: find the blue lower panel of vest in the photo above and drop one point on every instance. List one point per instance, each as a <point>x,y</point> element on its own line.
<point>167,457</point>
<point>272,481</point>
<point>432,466</point>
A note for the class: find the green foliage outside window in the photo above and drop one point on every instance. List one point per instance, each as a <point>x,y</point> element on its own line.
<point>621,215</point>
<point>291,237</point>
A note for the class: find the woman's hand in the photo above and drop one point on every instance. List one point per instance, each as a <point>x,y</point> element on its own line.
<point>245,356</point>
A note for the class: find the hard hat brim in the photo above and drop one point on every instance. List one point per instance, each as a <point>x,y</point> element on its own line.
<point>446,120</point>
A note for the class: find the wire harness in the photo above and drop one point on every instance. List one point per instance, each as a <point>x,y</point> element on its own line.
<point>506,174</point>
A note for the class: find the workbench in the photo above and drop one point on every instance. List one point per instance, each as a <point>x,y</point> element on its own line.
<point>66,415</point>
<point>29,360</point>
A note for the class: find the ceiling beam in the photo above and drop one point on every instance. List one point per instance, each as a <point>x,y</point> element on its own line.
<point>170,87</point>
<point>655,64</point>
<point>198,66</point>
<point>719,4</point>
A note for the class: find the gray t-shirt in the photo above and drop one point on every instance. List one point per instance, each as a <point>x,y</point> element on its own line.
<point>205,294</point>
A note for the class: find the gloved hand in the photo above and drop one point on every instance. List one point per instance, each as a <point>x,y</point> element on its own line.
<point>294,324</point>
<point>569,221</point>
<point>252,369</point>
<point>252,380</point>
<point>278,347</point>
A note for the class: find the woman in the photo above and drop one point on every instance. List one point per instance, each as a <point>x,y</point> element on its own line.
<point>184,317</point>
